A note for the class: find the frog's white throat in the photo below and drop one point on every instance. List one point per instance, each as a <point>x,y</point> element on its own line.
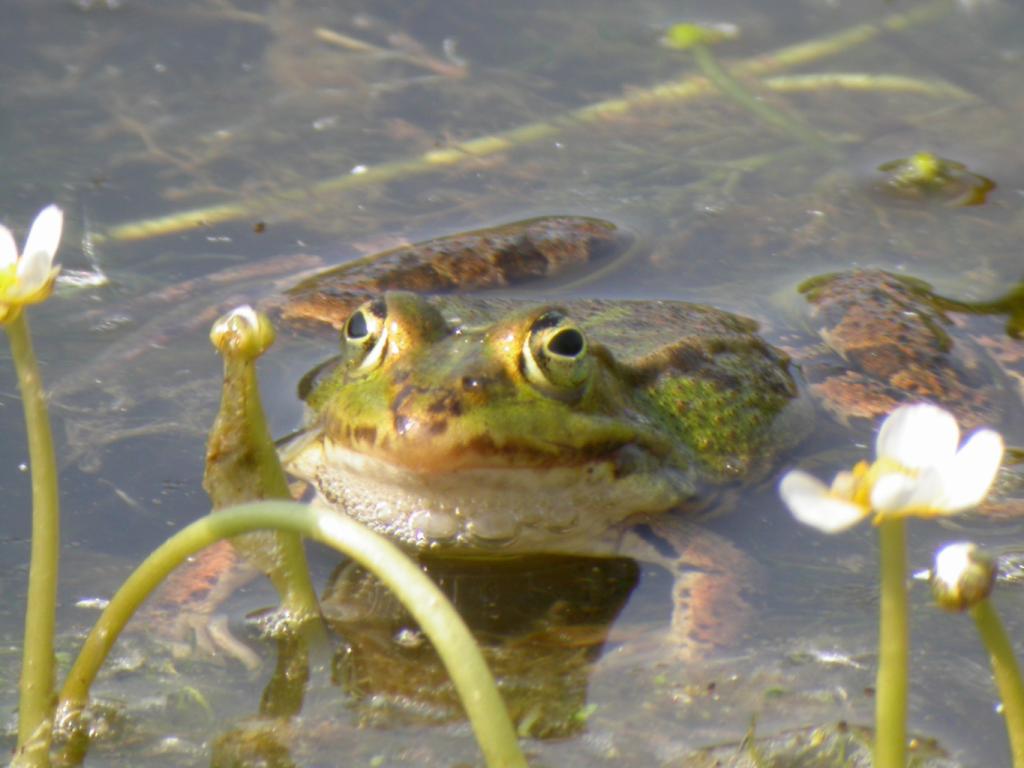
<point>570,509</point>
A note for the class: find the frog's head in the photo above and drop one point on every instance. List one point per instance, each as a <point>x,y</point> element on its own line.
<point>456,420</point>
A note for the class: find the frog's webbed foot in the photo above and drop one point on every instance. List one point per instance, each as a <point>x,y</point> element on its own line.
<point>208,635</point>
<point>711,581</point>
<point>185,611</point>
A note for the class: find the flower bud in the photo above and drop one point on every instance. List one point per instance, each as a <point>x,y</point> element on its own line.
<point>963,576</point>
<point>242,332</point>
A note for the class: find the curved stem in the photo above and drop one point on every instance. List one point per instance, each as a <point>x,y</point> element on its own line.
<point>1006,672</point>
<point>893,649</point>
<point>418,594</point>
<point>36,687</point>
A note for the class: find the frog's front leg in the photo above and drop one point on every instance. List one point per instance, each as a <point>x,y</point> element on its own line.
<point>185,608</point>
<point>711,583</point>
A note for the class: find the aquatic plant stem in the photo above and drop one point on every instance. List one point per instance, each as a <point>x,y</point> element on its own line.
<point>36,686</point>
<point>242,465</point>
<point>673,91</point>
<point>417,593</point>
<point>734,89</point>
<point>1006,672</point>
<point>893,648</point>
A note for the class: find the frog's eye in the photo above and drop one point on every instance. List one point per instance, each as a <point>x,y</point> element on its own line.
<point>365,335</point>
<point>555,355</point>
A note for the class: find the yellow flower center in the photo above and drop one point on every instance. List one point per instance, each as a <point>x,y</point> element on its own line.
<point>863,479</point>
<point>8,279</point>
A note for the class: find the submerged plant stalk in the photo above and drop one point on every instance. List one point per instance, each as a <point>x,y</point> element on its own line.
<point>683,89</point>
<point>863,81</point>
<point>419,595</point>
<point>732,88</point>
<point>36,686</point>
<point>242,463</point>
<point>893,648</point>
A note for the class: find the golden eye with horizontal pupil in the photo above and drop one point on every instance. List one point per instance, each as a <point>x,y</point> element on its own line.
<point>365,335</point>
<point>555,354</point>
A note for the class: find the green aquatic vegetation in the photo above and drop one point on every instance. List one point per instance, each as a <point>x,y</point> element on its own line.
<point>418,594</point>
<point>921,471</point>
<point>1010,304</point>
<point>925,174</point>
<point>683,89</point>
<point>27,278</point>
<point>244,464</point>
<point>698,40</point>
<point>962,580</point>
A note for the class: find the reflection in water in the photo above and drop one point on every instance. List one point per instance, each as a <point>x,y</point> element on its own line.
<point>542,623</point>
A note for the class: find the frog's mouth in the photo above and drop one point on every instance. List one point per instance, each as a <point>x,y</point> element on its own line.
<point>507,509</point>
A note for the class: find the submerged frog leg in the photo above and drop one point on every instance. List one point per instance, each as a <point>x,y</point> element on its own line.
<point>711,579</point>
<point>187,601</point>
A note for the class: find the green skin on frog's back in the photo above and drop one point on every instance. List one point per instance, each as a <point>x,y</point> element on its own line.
<point>472,426</point>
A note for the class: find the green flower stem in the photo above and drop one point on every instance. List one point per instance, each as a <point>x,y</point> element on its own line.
<point>36,687</point>
<point>418,594</point>
<point>242,465</point>
<point>893,649</point>
<point>1007,675</point>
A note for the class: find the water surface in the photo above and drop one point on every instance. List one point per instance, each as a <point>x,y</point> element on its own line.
<point>314,123</point>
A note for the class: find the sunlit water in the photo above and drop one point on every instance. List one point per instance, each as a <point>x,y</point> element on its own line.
<point>129,110</point>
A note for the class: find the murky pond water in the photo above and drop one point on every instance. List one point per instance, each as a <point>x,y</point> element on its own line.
<point>209,152</point>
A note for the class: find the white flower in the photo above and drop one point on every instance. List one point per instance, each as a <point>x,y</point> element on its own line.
<point>919,471</point>
<point>28,278</point>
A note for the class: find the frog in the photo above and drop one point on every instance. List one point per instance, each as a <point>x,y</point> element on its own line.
<point>498,426</point>
<point>502,428</point>
<point>495,428</point>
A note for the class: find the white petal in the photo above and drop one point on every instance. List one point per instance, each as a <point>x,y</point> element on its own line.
<point>44,237</point>
<point>8,248</point>
<point>926,496</point>
<point>972,471</point>
<point>246,314</point>
<point>811,503</point>
<point>918,436</point>
<point>32,273</point>
<point>892,492</point>
<point>952,562</point>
